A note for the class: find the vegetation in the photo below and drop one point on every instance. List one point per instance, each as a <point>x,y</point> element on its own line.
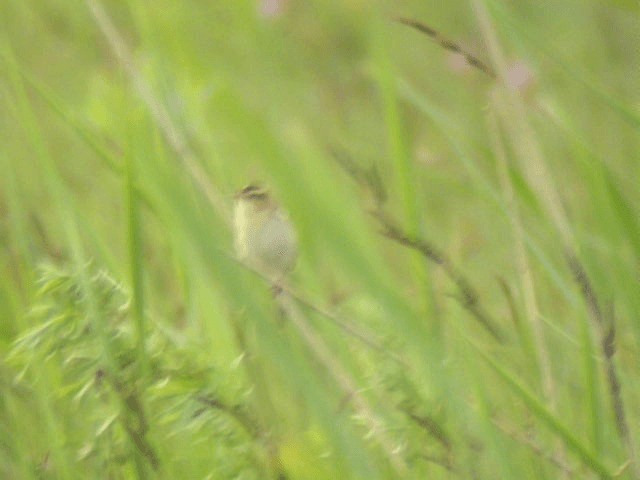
<point>463,178</point>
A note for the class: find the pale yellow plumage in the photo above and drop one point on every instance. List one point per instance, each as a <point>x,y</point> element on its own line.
<point>264,236</point>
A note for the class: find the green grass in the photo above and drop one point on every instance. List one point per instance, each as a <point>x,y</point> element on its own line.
<point>429,202</point>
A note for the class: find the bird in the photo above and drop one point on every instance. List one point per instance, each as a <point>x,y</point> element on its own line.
<point>264,236</point>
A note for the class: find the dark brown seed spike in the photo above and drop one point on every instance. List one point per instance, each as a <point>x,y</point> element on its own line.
<point>446,44</point>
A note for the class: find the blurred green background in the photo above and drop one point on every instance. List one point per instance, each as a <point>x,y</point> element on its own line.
<point>133,345</point>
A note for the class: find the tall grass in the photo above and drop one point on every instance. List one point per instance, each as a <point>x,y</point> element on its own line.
<point>466,298</point>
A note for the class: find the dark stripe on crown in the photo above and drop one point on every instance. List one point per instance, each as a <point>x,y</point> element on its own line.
<point>252,191</point>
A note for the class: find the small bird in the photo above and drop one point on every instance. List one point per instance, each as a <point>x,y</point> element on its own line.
<point>264,235</point>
